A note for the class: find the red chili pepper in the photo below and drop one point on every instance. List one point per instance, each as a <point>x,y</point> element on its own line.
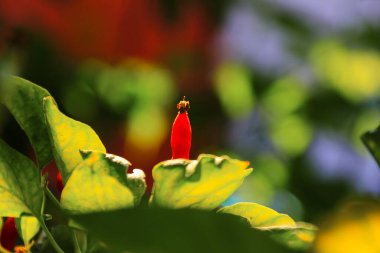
<point>9,234</point>
<point>59,183</point>
<point>181,132</point>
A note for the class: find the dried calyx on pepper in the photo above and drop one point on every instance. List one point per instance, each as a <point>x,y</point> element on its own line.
<point>181,132</point>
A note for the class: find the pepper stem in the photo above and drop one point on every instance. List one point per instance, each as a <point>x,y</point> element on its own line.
<point>183,105</point>
<point>49,236</point>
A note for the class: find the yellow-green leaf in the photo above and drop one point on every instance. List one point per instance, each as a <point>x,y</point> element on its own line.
<point>28,227</point>
<point>20,184</point>
<point>136,183</point>
<point>300,237</point>
<point>97,184</point>
<point>68,136</point>
<point>297,235</point>
<point>25,101</point>
<point>259,216</point>
<point>203,183</point>
<point>135,180</point>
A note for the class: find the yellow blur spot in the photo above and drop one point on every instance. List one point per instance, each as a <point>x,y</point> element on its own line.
<point>351,232</point>
<point>233,85</point>
<point>306,237</point>
<point>353,73</point>
<point>147,127</point>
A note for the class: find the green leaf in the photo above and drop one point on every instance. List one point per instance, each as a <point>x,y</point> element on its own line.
<point>204,183</point>
<point>135,181</point>
<point>280,226</point>
<point>20,184</point>
<point>98,183</point>
<point>300,237</point>
<point>146,230</point>
<point>259,216</point>
<point>25,101</point>
<point>68,136</point>
<point>371,139</point>
<point>28,227</point>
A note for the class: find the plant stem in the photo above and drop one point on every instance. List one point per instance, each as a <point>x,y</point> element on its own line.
<point>84,243</point>
<point>52,198</point>
<point>50,236</point>
<point>43,204</point>
<point>76,243</point>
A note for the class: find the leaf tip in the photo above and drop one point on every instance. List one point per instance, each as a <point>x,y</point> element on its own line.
<point>48,102</point>
<point>248,171</point>
<point>48,99</point>
<point>191,168</point>
<point>136,174</point>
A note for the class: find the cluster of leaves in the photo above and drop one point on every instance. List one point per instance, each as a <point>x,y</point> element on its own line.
<point>102,201</point>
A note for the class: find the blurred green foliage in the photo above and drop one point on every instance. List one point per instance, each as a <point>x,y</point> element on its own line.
<point>234,89</point>
<point>292,90</point>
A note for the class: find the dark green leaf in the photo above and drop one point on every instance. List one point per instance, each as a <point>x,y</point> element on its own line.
<point>20,184</point>
<point>172,231</point>
<point>204,183</point>
<point>25,101</point>
<point>371,139</point>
